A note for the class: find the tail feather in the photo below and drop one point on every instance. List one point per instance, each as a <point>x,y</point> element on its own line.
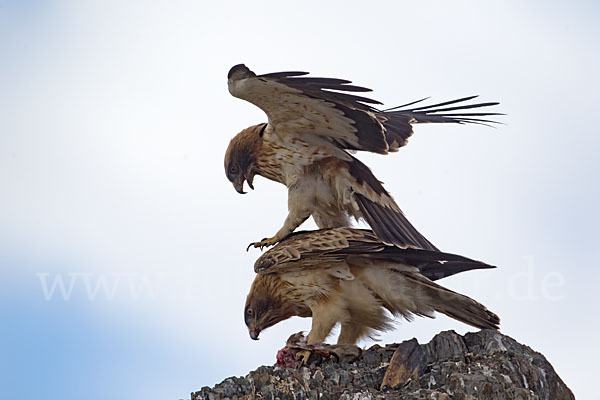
<point>406,293</point>
<point>454,305</point>
<point>391,226</point>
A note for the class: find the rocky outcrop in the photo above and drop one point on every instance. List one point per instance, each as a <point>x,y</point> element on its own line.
<point>482,365</point>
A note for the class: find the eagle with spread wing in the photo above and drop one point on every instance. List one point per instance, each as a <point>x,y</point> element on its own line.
<point>313,125</point>
<point>348,276</point>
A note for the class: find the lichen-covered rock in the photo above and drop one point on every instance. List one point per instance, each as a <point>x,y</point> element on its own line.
<point>476,366</point>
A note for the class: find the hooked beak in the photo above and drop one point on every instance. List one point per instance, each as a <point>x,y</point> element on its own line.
<point>239,186</point>
<point>254,333</point>
<point>239,183</point>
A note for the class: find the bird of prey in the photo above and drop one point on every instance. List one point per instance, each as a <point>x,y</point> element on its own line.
<point>313,126</point>
<point>348,276</point>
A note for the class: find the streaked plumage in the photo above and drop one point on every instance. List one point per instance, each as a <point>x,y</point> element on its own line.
<point>348,276</point>
<point>313,123</point>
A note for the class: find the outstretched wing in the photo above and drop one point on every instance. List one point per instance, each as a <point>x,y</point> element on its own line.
<point>329,109</point>
<point>313,249</point>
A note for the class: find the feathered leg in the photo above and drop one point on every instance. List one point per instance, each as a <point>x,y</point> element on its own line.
<point>298,213</point>
<point>351,332</point>
<point>323,320</point>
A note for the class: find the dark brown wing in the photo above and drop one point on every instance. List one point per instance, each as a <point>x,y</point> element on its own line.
<point>316,248</point>
<point>329,109</point>
<point>380,211</point>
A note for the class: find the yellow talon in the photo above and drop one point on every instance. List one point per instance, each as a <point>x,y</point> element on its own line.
<point>303,355</point>
<point>266,242</point>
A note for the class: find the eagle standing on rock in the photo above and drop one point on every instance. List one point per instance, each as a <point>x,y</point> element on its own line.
<point>313,124</point>
<point>348,276</point>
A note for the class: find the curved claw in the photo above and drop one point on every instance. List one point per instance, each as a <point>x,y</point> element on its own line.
<point>266,242</point>
<point>303,356</point>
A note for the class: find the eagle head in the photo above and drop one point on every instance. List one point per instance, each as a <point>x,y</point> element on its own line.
<point>240,158</point>
<point>265,306</point>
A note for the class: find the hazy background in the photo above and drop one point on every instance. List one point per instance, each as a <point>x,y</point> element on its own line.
<point>114,120</point>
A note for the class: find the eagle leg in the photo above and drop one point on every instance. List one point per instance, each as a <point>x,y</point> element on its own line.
<point>294,219</point>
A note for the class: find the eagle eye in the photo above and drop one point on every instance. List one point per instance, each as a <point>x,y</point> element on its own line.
<point>249,311</point>
<point>233,169</point>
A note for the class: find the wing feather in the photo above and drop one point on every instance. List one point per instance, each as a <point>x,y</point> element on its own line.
<point>317,247</point>
<point>311,106</point>
<point>391,226</point>
<point>380,210</point>
<point>328,108</point>
<point>314,249</point>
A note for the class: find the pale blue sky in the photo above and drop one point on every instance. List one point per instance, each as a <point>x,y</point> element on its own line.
<point>115,118</point>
